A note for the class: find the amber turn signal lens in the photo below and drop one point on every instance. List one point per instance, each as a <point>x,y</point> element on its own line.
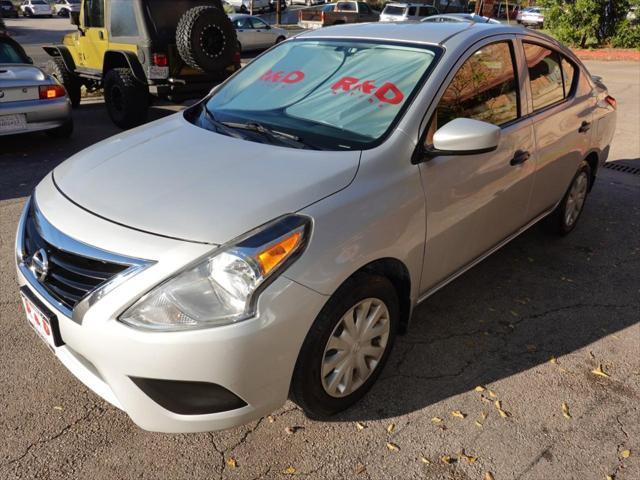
<point>47,92</point>
<point>275,254</point>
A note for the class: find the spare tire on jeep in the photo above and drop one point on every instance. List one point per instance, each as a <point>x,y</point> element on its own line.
<point>206,39</point>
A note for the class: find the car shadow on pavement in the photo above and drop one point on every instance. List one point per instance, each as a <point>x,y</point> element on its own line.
<point>25,159</point>
<point>539,297</point>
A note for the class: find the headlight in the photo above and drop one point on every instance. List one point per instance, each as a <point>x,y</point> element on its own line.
<point>222,288</point>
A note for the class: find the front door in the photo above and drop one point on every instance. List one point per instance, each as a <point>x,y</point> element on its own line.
<point>476,201</point>
<point>93,37</point>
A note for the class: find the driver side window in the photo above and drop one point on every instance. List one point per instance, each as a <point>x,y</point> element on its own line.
<point>484,88</point>
<point>94,13</point>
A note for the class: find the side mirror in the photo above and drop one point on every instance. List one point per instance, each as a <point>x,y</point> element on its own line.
<point>74,18</point>
<point>268,27</point>
<point>465,136</point>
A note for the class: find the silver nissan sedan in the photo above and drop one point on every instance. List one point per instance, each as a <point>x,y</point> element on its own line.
<point>271,241</point>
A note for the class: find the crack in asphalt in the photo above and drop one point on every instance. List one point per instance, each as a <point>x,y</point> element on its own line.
<point>44,441</point>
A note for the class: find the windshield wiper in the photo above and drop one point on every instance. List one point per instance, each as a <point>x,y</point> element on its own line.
<point>274,135</point>
<point>220,126</point>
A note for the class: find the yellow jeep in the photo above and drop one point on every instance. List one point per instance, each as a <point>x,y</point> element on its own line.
<point>137,50</point>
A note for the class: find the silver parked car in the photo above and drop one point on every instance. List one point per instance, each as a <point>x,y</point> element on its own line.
<point>272,239</point>
<point>30,99</point>
<point>254,33</point>
<point>63,8</point>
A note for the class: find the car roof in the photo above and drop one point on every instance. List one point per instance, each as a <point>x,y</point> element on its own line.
<point>406,4</point>
<point>413,32</point>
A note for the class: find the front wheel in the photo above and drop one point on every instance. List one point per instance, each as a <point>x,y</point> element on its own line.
<point>58,70</point>
<point>279,39</point>
<point>347,346</point>
<point>126,98</point>
<point>565,217</point>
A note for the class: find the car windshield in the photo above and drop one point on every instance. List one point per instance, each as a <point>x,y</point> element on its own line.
<point>333,94</point>
<point>394,10</point>
<point>38,2</point>
<point>8,54</point>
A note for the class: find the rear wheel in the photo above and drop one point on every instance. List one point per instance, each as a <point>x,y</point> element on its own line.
<point>279,39</point>
<point>347,346</point>
<point>58,70</point>
<point>565,217</point>
<point>126,98</point>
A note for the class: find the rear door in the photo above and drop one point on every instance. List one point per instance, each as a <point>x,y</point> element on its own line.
<point>263,33</point>
<point>474,202</point>
<point>562,119</point>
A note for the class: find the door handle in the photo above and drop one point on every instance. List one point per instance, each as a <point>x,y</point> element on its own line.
<point>101,35</point>
<point>584,127</point>
<point>520,157</point>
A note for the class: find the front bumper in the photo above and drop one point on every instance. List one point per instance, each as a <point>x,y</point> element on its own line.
<point>253,359</point>
<point>40,114</point>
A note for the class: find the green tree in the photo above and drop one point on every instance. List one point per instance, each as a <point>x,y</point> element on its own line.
<point>589,23</point>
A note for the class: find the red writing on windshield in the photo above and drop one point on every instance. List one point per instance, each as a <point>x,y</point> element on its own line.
<point>280,76</point>
<point>386,93</point>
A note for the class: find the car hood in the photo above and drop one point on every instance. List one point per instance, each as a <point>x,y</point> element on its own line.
<point>174,179</point>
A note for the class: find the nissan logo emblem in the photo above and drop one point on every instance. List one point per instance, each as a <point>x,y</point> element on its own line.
<point>39,264</point>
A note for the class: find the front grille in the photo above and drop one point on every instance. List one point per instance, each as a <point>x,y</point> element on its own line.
<point>70,276</point>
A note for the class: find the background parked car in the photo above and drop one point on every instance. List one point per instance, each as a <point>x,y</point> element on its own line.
<point>401,12</point>
<point>63,8</point>
<point>8,9</point>
<point>30,100</point>
<point>254,33</point>
<point>244,6</point>
<point>460,17</point>
<point>307,2</point>
<point>36,8</point>
<point>336,14</point>
<point>532,17</point>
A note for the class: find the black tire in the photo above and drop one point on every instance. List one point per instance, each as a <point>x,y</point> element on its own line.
<point>58,70</point>
<point>206,39</point>
<point>279,39</point>
<point>63,131</point>
<point>558,222</point>
<point>306,385</point>
<point>126,98</point>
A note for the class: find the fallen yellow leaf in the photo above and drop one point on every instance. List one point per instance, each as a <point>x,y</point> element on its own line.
<point>503,413</point>
<point>360,426</point>
<point>609,477</point>
<point>57,407</point>
<point>271,419</point>
<point>478,424</point>
<point>391,427</point>
<point>565,410</point>
<point>232,462</point>
<point>393,447</point>
<point>446,459</point>
<point>436,419</point>
<point>425,460</point>
<point>514,313</point>
<point>480,388</point>
<point>360,469</point>
<point>484,415</point>
<point>489,476</point>
<point>553,360</point>
<point>600,372</point>
<point>492,394</point>
<point>289,471</point>
<point>625,453</point>
<point>468,458</point>
<point>458,414</point>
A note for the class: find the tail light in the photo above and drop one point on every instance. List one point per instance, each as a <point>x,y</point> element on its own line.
<point>322,17</point>
<point>611,101</point>
<point>160,60</point>
<point>237,58</point>
<point>48,92</point>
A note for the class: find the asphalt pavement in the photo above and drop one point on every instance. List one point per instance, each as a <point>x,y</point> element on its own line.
<point>530,325</point>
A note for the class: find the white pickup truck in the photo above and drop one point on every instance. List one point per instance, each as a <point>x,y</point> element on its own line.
<point>337,13</point>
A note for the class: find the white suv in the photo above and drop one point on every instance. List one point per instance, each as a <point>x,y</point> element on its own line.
<point>402,12</point>
<point>36,8</point>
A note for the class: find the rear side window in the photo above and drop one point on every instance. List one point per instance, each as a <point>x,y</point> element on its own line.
<point>545,75</point>
<point>568,76</point>
<point>485,88</point>
<point>346,6</point>
<point>123,19</point>
<point>412,11</point>
<point>8,54</point>
<point>394,10</point>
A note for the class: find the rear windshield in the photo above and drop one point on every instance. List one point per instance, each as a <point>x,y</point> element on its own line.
<point>336,94</point>
<point>394,10</point>
<point>9,54</point>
